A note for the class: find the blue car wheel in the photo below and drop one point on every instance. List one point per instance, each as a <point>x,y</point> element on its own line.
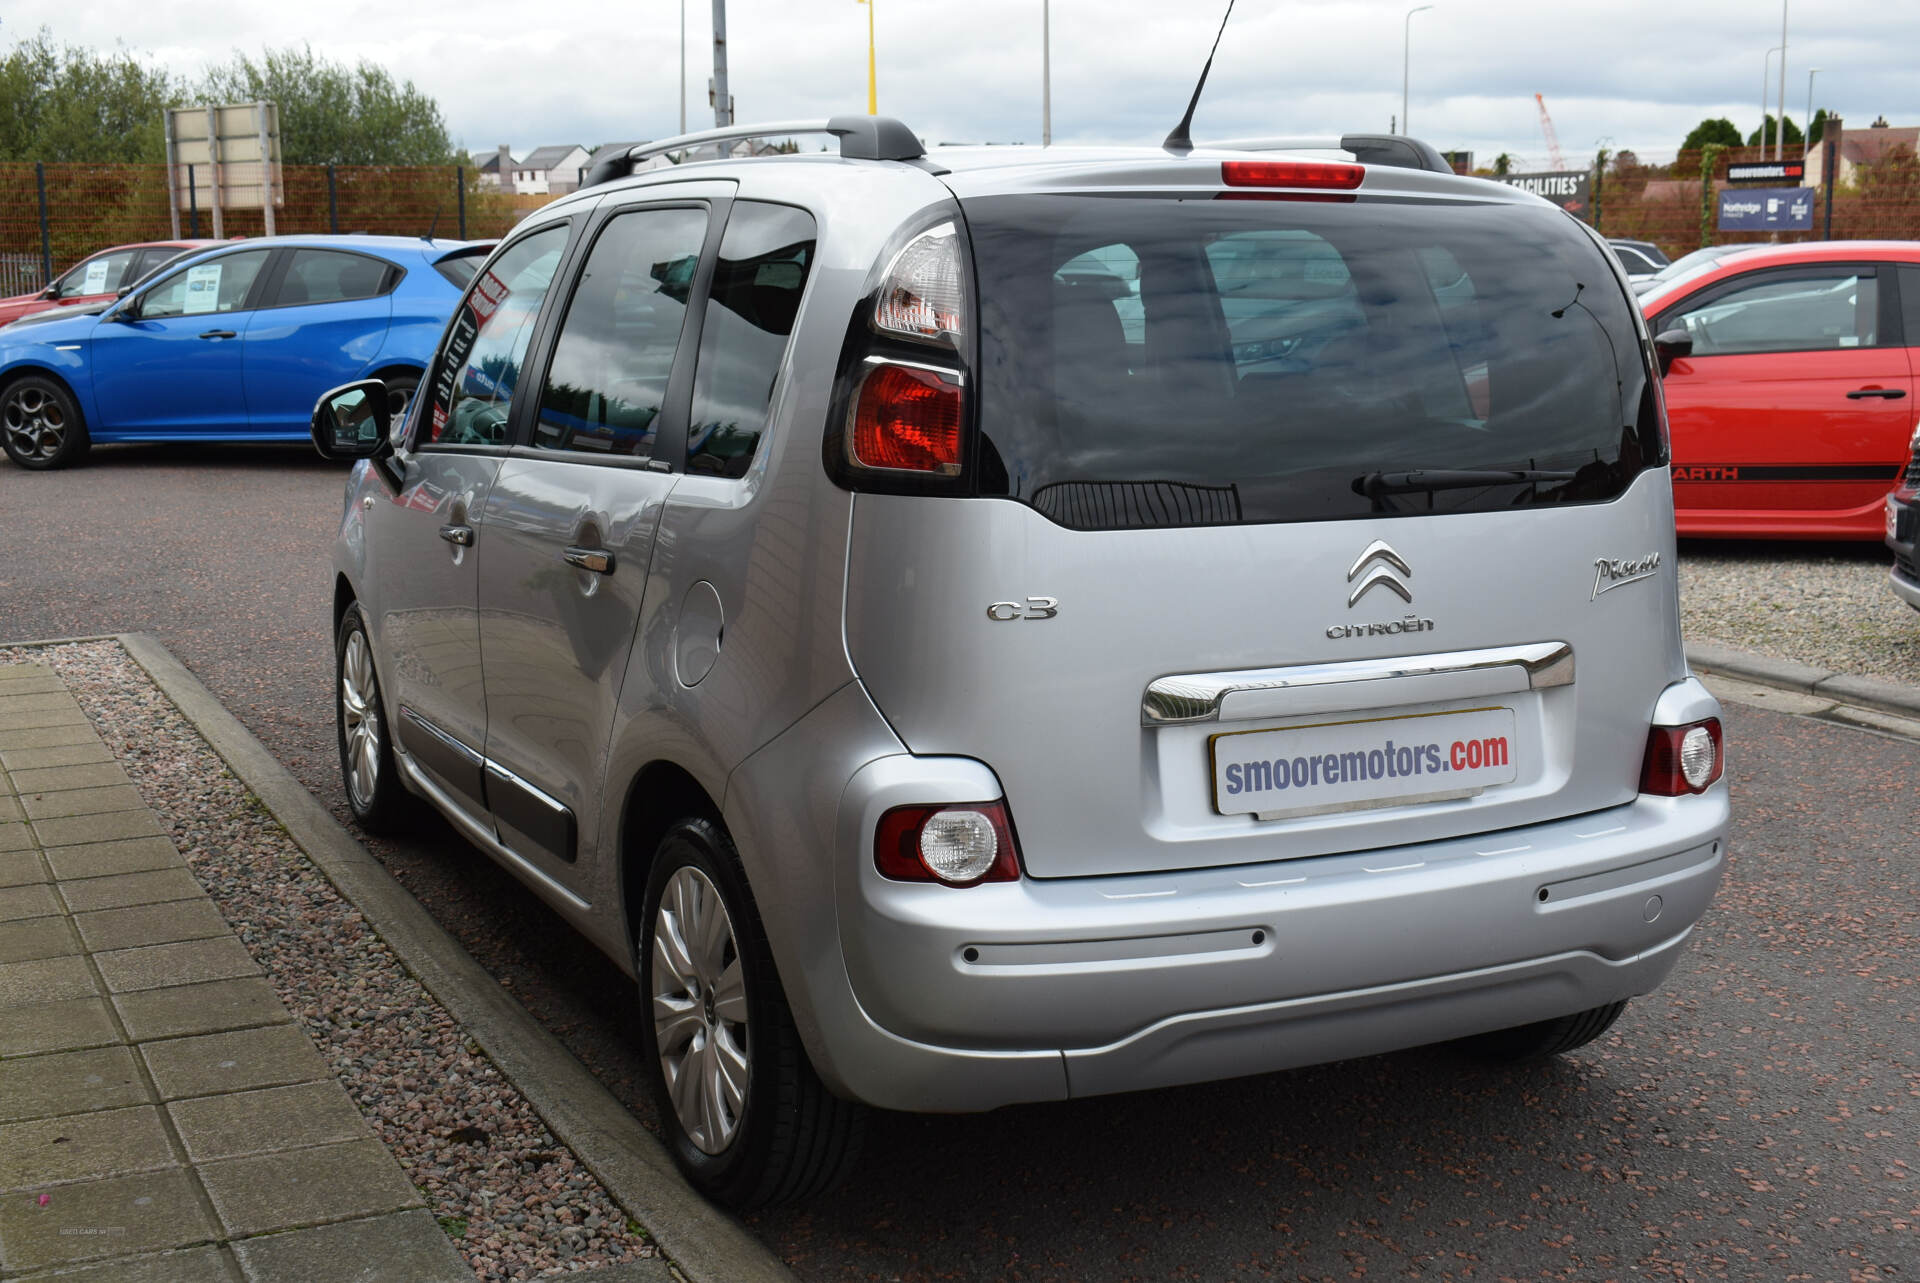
<point>42,425</point>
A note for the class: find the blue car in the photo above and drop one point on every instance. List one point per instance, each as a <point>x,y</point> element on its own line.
<point>231,345</point>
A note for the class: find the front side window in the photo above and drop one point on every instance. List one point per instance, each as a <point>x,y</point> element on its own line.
<point>206,288</point>
<point>762,271</point>
<point>608,378</point>
<point>1805,312</point>
<point>472,386</point>
<point>324,276</point>
<point>101,274</point>
<point>1151,361</point>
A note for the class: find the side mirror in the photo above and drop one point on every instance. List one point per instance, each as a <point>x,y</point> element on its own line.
<point>352,421</point>
<point>52,291</point>
<point>1669,346</point>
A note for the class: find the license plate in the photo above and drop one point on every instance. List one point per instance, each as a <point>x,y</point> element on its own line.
<point>1335,766</point>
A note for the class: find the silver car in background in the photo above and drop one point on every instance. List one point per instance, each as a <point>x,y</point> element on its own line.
<point>1007,625</point>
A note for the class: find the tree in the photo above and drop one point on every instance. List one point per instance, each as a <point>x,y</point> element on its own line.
<point>1503,164</point>
<point>334,114</point>
<point>1717,130</point>
<point>1817,127</point>
<point>68,104</point>
<point>1763,136</point>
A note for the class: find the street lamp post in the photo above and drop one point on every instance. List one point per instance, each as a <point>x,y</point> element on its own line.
<point>1806,133</point>
<point>1780,132</point>
<point>1406,45</point>
<point>1766,67</point>
<point>683,66</point>
<point>1046,73</point>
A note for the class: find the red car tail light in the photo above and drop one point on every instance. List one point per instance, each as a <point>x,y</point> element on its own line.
<point>959,844</point>
<point>907,419</point>
<point>1682,759</point>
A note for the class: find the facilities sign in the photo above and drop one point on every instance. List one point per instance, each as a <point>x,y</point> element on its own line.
<point>1570,189</point>
<point>1770,171</point>
<point>1767,209</point>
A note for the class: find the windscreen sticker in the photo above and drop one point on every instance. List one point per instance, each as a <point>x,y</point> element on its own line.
<point>203,289</point>
<point>486,297</point>
<point>95,281</point>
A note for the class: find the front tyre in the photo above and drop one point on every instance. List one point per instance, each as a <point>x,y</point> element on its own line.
<point>748,1121</point>
<point>1547,1037</point>
<point>40,424</point>
<point>374,791</point>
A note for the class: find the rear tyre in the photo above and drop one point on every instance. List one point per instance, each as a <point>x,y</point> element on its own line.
<point>1547,1037</point>
<point>41,425</point>
<point>749,1122</point>
<point>374,792</point>
<point>401,385</point>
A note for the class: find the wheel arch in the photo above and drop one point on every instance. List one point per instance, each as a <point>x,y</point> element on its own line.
<point>13,374</point>
<point>343,597</point>
<point>663,793</point>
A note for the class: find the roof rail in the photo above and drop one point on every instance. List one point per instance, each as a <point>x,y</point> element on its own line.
<point>1396,150</point>
<point>861,138</point>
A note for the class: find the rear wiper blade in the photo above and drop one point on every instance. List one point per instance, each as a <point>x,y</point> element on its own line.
<point>1427,480</point>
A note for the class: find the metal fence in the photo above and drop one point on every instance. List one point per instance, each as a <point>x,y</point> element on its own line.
<point>1676,206</point>
<point>53,215</point>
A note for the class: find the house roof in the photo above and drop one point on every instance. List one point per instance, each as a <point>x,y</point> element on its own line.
<point>1870,146</point>
<point>488,162</point>
<point>544,158</point>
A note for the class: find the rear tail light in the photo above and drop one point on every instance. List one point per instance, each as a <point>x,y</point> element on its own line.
<point>907,419</point>
<point>1682,759</point>
<point>1330,174</point>
<point>959,844</point>
<point>923,296</point>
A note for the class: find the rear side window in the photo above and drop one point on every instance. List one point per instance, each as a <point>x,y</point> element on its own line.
<point>765,257</point>
<point>323,276</point>
<point>1149,362</point>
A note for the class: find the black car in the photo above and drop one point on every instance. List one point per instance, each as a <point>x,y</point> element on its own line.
<point>1903,531</point>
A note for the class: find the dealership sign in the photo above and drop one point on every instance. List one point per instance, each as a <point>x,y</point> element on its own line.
<point>1772,171</point>
<point>1767,209</point>
<point>1570,189</point>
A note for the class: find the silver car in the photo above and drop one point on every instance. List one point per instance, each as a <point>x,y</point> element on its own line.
<point>1005,625</point>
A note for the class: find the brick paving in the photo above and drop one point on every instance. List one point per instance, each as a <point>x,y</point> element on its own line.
<point>161,1116</point>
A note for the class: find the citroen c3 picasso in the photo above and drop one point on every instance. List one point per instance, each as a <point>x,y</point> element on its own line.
<point>1008,625</point>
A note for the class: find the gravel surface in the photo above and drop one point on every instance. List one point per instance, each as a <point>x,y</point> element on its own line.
<point>515,1201</point>
<point>1819,603</point>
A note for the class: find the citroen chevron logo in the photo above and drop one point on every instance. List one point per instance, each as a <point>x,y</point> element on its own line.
<point>1385,561</point>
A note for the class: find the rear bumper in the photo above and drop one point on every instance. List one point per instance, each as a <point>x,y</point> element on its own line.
<point>1043,989</point>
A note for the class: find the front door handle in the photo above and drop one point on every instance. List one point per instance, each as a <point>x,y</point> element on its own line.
<point>597,560</point>
<point>218,334</point>
<point>1886,394</point>
<point>462,535</point>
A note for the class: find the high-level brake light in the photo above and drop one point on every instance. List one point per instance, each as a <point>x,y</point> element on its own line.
<point>1329,174</point>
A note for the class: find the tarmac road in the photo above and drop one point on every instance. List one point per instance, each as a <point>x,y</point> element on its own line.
<point>1758,1118</point>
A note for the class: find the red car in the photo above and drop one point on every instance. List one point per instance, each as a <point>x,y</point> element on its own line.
<point>99,278</point>
<point>1791,387</point>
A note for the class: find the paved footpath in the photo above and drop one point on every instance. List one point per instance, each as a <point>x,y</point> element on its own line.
<point>161,1116</point>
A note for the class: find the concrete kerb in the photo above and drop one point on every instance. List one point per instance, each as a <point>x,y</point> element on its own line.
<point>703,1243</point>
<point>1863,692</point>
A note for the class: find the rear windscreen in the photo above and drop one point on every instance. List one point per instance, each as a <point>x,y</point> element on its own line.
<point>1157,361</point>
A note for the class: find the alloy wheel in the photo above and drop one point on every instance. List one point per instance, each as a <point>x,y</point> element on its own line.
<point>360,719</point>
<point>36,424</point>
<point>700,1009</point>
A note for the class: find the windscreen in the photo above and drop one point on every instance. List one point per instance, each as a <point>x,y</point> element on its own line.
<point>1153,361</point>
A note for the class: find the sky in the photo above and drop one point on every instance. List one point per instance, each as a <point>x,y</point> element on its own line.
<point>1631,74</point>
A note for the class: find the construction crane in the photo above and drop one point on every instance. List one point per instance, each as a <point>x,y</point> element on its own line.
<point>1553,142</point>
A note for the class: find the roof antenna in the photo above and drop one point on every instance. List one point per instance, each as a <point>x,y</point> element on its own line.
<point>1180,141</point>
<point>434,226</point>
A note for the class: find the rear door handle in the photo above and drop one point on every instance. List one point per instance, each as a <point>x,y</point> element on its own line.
<point>462,535</point>
<point>597,560</point>
<point>1888,394</point>
<point>218,334</point>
